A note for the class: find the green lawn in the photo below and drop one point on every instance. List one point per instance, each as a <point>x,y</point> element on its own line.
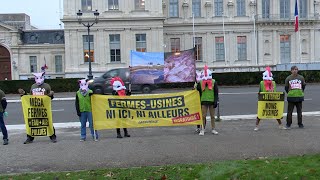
<point>297,167</point>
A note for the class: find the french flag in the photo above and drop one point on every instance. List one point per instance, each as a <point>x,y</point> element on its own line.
<point>296,14</point>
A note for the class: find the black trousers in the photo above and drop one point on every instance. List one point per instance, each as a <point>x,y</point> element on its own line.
<point>31,138</point>
<point>124,129</point>
<point>290,110</point>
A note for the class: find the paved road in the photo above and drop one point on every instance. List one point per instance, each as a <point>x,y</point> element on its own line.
<point>158,146</point>
<point>233,101</point>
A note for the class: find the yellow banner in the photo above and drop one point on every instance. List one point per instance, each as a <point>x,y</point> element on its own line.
<point>270,105</point>
<point>37,115</point>
<point>171,109</point>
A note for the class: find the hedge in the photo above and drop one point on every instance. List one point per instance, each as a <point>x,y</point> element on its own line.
<point>57,85</point>
<point>226,79</point>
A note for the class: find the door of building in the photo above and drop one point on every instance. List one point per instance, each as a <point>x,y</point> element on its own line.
<point>5,65</point>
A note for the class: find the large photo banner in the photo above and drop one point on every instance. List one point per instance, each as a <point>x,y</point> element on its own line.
<point>37,115</point>
<point>171,109</point>
<point>159,67</point>
<point>270,105</point>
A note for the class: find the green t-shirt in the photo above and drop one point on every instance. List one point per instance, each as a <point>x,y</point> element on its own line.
<point>295,86</point>
<point>43,89</point>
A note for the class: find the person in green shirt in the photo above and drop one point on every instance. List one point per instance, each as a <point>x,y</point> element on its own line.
<point>84,110</point>
<point>2,112</point>
<point>294,86</point>
<point>209,96</point>
<point>267,85</point>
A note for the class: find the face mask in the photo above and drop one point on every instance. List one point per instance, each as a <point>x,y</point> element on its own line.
<point>83,86</point>
<point>39,78</point>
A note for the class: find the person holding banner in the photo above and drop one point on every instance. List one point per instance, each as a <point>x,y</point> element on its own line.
<point>267,85</point>
<point>2,114</point>
<point>39,88</point>
<point>119,89</point>
<point>209,96</point>
<point>84,111</point>
<point>294,86</point>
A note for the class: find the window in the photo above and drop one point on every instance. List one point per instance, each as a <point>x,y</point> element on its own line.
<point>242,47</point>
<point>303,8</point>
<point>173,8</point>
<point>219,48</point>
<point>139,4</point>
<point>112,73</point>
<point>218,7</point>
<point>196,8</point>
<point>141,43</point>
<point>86,48</point>
<point>241,7</point>
<point>86,5</point>
<point>115,52</point>
<point>175,44</point>
<point>58,63</point>
<point>33,64</point>
<point>284,8</point>
<point>265,8</point>
<point>198,48</point>
<point>113,4</point>
<point>285,49</point>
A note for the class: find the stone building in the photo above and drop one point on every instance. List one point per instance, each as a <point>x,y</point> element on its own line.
<point>228,35</point>
<point>25,49</point>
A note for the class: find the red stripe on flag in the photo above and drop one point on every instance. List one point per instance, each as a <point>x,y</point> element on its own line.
<point>296,14</point>
<point>296,24</point>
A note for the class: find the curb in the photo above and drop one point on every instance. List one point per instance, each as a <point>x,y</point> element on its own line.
<point>223,118</point>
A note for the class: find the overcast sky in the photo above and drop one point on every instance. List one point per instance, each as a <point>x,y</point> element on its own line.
<point>44,14</point>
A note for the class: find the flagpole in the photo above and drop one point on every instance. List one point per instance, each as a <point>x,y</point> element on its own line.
<point>299,35</point>
<point>297,29</point>
<point>194,43</point>
<point>254,37</point>
<point>300,47</point>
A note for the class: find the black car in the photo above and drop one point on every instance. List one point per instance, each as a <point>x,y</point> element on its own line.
<point>101,85</point>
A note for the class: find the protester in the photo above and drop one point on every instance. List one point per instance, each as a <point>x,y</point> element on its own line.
<point>84,111</point>
<point>39,88</point>
<point>267,85</point>
<point>2,114</point>
<point>294,86</point>
<point>119,89</point>
<point>209,96</point>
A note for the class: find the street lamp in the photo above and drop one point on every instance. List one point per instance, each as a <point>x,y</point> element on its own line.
<point>88,25</point>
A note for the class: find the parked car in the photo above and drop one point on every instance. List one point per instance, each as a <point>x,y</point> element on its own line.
<point>101,85</point>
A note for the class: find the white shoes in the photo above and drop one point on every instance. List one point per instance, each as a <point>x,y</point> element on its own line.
<point>256,129</point>
<point>282,127</point>
<point>214,132</point>
<point>201,133</point>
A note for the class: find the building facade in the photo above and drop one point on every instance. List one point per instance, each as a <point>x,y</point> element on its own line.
<point>25,49</point>
<point>228,35</point>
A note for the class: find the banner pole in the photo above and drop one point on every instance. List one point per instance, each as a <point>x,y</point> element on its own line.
<point>218,113</point>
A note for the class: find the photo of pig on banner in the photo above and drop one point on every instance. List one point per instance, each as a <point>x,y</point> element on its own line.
<point>270,102</point>
<point>169,109</point>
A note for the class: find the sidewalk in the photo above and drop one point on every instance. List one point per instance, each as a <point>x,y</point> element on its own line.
<point>158,146</point>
